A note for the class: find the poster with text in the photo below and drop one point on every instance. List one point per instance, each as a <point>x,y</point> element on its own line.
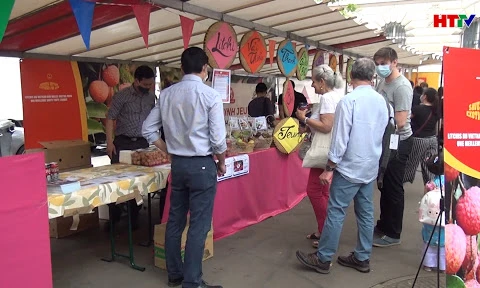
<point>462,168</point>
<point>53,105</point>
<point>221,83</point>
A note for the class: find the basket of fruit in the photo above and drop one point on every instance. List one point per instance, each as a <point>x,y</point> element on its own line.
<point>149,157</point>
<point>263,139</point>
<point>242,142</point>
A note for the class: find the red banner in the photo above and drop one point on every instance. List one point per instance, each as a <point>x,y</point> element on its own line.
<point>53,103</point>
<point>462,112</point>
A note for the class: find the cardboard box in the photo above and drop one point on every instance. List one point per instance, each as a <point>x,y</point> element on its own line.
<point>159,239</point>
<point>70,154</point>
<point>61,227</point>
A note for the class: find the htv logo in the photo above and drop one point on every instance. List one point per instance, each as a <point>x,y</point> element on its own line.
<point>450,20</point>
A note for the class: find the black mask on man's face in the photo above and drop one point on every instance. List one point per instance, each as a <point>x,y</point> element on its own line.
<point>143,90</point>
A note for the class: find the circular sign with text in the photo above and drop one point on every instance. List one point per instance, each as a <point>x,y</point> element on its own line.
<point>221,45</point>
<point>253,52</point>
<point>287,58</point>
<point>286,135</point>
<point>333,62</point>
<point>349,70</point>
<point>302,66</point>
<point>318,59</point>
<point>288,97</point>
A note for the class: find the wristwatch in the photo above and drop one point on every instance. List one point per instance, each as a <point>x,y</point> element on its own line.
<point>329,168</point>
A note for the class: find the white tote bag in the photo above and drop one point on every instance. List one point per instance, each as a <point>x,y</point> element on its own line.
<point>317,155</point>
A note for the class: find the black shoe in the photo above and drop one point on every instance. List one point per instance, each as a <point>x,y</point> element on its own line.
<point>175,282</point>
<point>311,261</point>
<point>352,262</point>
<point>205,285</point>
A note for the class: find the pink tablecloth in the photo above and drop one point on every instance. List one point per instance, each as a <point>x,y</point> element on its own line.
<point>275,184</point>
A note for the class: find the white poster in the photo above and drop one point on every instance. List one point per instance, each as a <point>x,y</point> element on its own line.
<point>221,82</point>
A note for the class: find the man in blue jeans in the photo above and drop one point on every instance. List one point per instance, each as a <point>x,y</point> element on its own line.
<point>360,121</point>
<point>191,114</point>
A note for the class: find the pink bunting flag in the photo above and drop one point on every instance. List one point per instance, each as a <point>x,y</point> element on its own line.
<point>271,50</point>
<point>187,29</point>
<point>305,93</point>
<point>142,13</point>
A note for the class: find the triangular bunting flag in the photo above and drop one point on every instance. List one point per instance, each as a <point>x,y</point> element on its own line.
<point>6,7</point>
<point>187,29</point>
<point>305,93</point>
<point>83,12</point>
<point>271,50</point>
<point>142,13</point>
<point>307,47</point>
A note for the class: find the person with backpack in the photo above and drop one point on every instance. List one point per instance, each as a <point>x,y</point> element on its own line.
<point>398,90</point>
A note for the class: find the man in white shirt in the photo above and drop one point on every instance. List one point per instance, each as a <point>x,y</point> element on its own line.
<point>191,114</point>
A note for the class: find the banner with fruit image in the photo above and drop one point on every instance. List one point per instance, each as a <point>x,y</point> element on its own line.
<point>100,83</point>
<point>462,169</point>
<point>53,105</point>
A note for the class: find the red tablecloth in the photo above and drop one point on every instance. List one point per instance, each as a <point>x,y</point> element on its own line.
<point>275,184</point>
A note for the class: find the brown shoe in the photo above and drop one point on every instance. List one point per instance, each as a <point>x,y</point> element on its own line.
<point>352,262</point>
<point>311,261</point>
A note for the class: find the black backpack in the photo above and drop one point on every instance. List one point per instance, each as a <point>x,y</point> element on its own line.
<point>386,151</point>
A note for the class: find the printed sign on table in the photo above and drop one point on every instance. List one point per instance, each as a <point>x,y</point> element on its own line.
<point>53,103</point>
<point>302,67</point>
<point>287,58</point>
<point>286,135</point>
<point>221,45</point>
<point>253,52</point>
<point>235,167</point>
<point>288,97</point>
<point>221,83</point>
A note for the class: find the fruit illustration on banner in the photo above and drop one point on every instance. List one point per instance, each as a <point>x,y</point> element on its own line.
<point>450,173</point>
<point>111,75</point>
<point>99,91</point>
<point>253,52</point>
<point>288,98</point>
<point>286,135</point>
<point>455,248</point>
<point>318,59</point>
<point>302,67</point>
<point>221,45</point>
<point>287,58</point>
<point>468,211</point>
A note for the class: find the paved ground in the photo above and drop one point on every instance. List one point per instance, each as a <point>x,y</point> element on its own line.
<point>262,255</point>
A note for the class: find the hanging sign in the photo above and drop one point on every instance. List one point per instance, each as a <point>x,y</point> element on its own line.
<point>288,97</point>
<point>221,45</point>
<point>221,83</point>
<point>286,135</point>
<point>287,58</point>
<point>318,59</point>
<point>302,67</point>
<point>333,62</point>
<point>349,70</point>
<point>253,52</point>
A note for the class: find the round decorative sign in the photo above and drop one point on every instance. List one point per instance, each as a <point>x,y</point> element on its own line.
<point>333,62</point>
<point>221,45</point>
<point>302,67</point>
<point>287,58</point>
<point>318,59</point>
<point>286,135</point>
<point>253,52</point>
<point>288,97</point>
<point>349,70</point>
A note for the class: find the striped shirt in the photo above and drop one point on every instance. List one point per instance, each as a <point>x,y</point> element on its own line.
<point>191,114</point>
<point>130,108</point>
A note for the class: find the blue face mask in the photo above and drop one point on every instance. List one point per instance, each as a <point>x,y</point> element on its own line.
<point>384,71</point>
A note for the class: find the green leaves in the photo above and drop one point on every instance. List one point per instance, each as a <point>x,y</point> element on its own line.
<point>96,110</point>
<point>52,211</point>
<point>453,281</point>
<point>458,193</point>
<point>94,127</point>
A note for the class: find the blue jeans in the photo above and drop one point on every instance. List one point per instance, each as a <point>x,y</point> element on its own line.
<point>342,192</point>
<point>194,184</point>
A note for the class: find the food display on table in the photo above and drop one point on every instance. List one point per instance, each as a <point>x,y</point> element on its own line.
<point>149,157</point>
<point>239,138</point>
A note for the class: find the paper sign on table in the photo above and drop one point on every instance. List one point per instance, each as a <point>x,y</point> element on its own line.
<point>229,170</point>
<point>241,165</point>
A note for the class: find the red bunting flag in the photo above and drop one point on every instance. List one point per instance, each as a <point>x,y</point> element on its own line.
<point>187,29</point>
<point>271,50</point>
<point>142,13</point>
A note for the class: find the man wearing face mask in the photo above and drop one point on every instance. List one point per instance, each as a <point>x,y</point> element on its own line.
<point>398,90</point>
<point>191,114</point>
<point>129,108</point>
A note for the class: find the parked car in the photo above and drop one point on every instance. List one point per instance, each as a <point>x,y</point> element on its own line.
<point>18,139</point>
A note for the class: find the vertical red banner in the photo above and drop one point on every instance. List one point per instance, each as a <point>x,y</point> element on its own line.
<point>462,167</point>
<point>53,102</point>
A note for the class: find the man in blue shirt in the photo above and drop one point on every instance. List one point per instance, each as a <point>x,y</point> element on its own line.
<point>359,124</point>
<point>191,114</point>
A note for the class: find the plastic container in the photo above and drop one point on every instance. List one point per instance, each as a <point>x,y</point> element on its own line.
<point>148,157</point>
